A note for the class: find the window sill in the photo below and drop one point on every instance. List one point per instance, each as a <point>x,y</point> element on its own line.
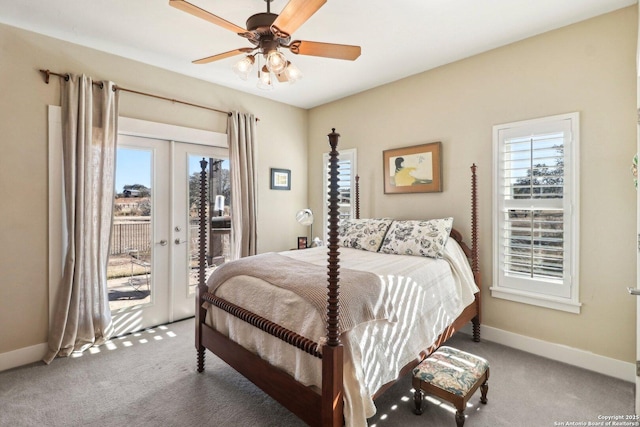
<point>555,303</point>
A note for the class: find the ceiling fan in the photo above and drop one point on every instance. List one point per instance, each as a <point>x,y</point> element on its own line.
<point>269,32</point>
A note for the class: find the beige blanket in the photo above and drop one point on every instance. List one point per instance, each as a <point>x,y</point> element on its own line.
<point>363,296</point>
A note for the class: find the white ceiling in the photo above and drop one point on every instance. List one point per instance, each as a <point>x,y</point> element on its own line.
<point>398,37</point>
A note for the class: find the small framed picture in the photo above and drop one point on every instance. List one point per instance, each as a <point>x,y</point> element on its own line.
<point>280,179</point>
<point>302,242</point>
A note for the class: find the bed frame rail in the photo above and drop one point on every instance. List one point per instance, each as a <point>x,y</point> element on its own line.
<point>286,335</point>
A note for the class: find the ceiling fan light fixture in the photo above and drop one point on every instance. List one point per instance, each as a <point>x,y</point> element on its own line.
<point>292,73</point>
<point>264,79</point>
<point>276,61</point>
<point>243,67</point>
<point>268,33</point>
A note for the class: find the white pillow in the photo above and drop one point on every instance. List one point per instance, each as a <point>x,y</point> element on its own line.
<point>366,234</point>
<point>420,238</point>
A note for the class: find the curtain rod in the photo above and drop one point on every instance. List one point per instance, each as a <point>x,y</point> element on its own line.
<point>48,73</point>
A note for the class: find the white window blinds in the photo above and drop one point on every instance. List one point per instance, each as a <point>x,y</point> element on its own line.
<point>535,223</point>
<point>533,191</point>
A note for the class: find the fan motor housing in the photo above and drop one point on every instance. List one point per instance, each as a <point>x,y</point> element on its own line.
<point>261,22</point>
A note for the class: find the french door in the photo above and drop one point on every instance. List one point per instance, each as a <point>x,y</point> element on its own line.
<point>153,261</point>
<point>151,276</point>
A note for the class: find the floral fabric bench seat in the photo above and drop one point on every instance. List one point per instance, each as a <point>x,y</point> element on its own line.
<point>452,375</point>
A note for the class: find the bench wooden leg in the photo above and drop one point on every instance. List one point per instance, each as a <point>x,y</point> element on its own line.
<point>459,418</point>
<point>417,400</point>
<point>484,388</point>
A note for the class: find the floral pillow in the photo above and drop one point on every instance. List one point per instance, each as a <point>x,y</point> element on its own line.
<point>420,238</point>
<point>366,234</point>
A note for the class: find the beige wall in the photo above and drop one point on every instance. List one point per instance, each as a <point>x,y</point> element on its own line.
<point>23,159</point>
<point>588,67</point>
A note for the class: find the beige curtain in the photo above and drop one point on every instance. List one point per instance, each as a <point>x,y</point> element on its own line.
<point>89,130</point>
<point>241,135</point>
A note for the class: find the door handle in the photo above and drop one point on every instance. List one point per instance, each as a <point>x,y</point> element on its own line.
<point>162,242</point>
<point>178,241</point>
<point>634,291</point>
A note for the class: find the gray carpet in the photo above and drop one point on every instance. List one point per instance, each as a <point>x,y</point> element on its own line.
<point>149,379</point>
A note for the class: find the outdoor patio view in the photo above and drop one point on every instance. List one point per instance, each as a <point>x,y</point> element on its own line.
<point>130,258</point>
<point>129,268</point>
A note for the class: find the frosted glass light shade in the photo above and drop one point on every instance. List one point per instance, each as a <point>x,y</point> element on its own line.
<point>276,62</point>
<point>264,79</point>
<point>293,73</point>
<point>305,216</point>
<point>243,67</point>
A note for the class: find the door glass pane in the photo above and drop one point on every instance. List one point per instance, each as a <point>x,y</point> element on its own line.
<point>129,269</point>
<point>218,214</point>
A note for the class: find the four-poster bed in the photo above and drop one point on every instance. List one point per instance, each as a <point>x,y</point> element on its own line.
<point>325,372</point>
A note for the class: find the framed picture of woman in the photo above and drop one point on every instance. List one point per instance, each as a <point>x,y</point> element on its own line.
<point>416,169</point>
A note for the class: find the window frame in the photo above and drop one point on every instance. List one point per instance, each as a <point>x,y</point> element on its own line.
<point>560,294</point>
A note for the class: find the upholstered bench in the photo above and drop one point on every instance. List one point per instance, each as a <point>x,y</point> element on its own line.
<point>452,375</point>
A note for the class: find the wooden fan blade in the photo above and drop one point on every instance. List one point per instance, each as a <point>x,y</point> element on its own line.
<point>207,16</point>
<point>327,50</point>
<point>224,55</point>
<point>294,14</point>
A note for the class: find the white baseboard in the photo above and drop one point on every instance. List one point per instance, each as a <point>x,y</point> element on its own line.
<point>561,353</point>
<point>22,356</point>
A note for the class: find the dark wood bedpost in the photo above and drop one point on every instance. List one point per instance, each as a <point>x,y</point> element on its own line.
<point>332,351</point>
<point>202,287</point>
<point>357,196</point>
<point>475,267</point>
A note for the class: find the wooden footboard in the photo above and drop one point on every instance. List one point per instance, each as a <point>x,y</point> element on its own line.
<point>315,407</point>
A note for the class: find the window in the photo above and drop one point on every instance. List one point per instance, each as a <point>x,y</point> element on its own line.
<point>347,172</point>
<point>535,230</point>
